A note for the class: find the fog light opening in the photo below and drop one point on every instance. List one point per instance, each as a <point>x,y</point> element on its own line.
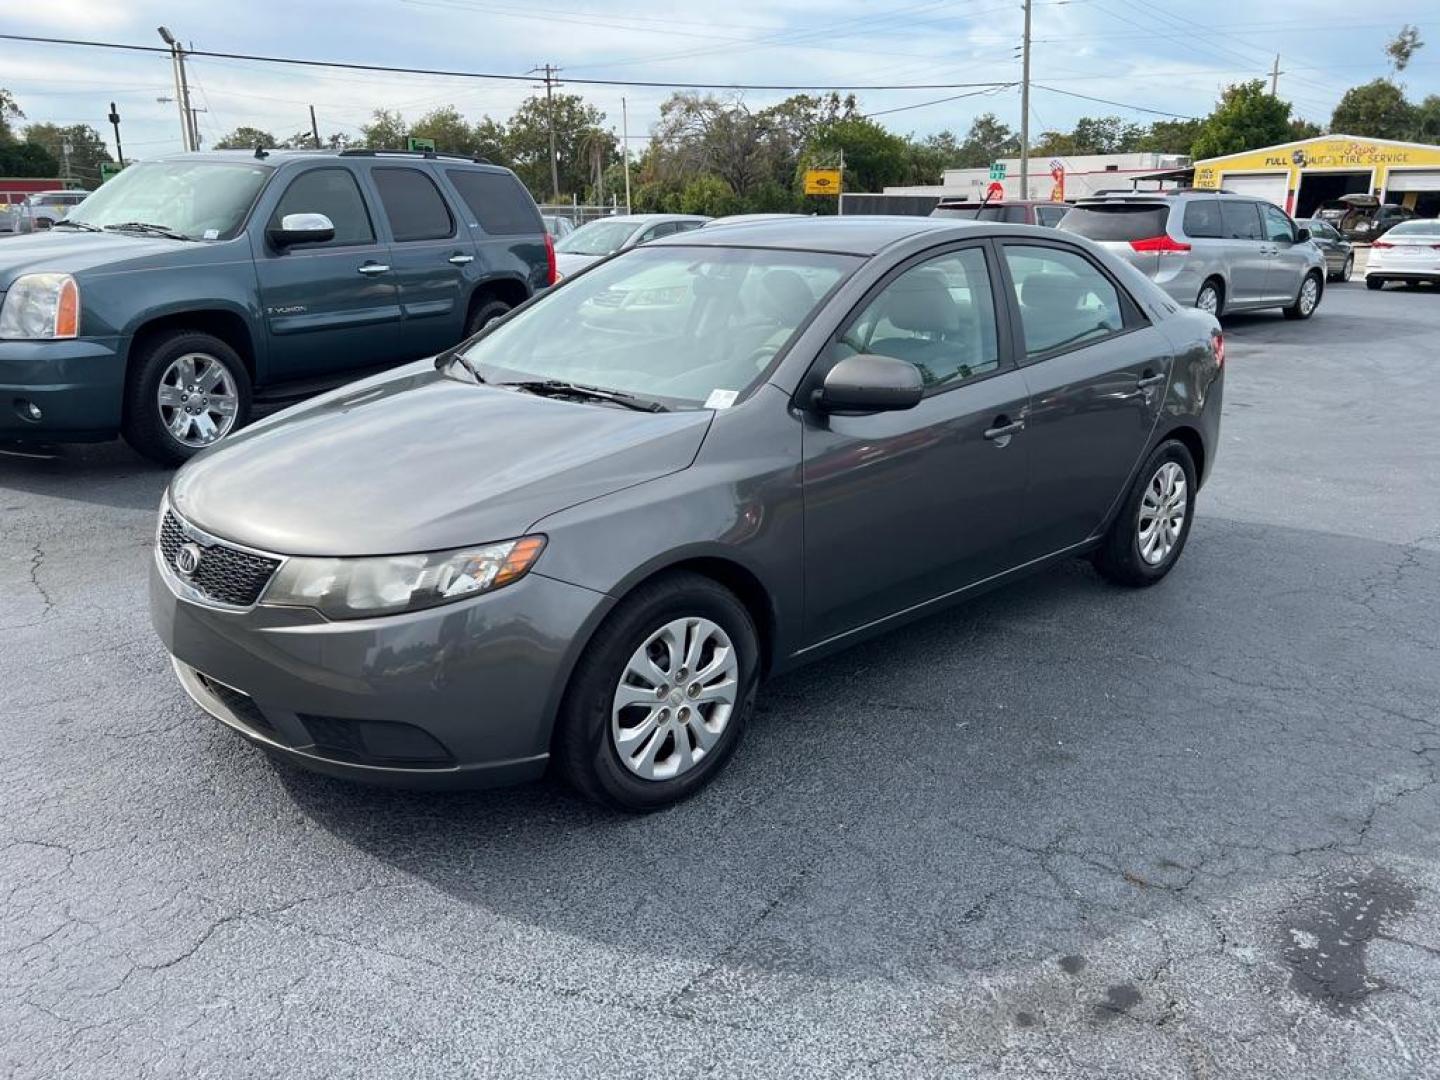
<point>28,410</point>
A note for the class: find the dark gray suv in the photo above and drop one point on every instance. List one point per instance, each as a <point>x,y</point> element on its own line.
<point>585,536</point>
<point>1212,250</point>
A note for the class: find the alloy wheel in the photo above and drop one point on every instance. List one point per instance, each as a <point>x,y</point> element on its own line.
<point>1162,513</point>
<point>197,399</point>
<point>1347,269</point>
<point>1309,295</point>
<point>1208,300</point>
<point>675,698</point>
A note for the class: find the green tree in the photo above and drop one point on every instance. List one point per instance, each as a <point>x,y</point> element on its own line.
<point>1169,137</point>
<point>87,148</point>
<point>527,142</point>
<point>1403,46</point>
<point>10,112</point>
<point>1106,135</point>
<point>387,130</point>
<point>1246,117</point>
<point>451,132</point>
<point>489,140</point>
<point>1427,120</point>
<point>26,159</point>
<point>874,157</point>
<point>1304,129</point>
<point>986,141</point>
<point>1377,110</point>
<point>246,138</point>
<point>707,195</point>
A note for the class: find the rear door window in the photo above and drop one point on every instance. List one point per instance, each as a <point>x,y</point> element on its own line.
<point>413,205</point>
<point>1117,222</point>
<point>1278,226</point>
<point>1063,299</point>
<point>1242,220</point>
<point>1202,220</point>
<point>501,206</point>
<point>334,193</point>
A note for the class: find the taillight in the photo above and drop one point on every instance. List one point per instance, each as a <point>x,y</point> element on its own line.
<point>1159,243</point>
<point>551,275</point>
<point>1382,244</point>
<point>1218,345</point>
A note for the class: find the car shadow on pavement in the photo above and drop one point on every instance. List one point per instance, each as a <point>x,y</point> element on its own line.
<point>103,474</point>
<point>1056,733</point>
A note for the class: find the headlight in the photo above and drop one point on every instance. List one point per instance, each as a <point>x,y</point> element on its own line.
<point>358,588</point>
<point>41,306</point>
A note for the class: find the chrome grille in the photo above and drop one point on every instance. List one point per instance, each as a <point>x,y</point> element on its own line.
<point>225,575</point>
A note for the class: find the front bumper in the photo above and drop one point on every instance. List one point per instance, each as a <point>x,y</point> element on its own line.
<point>463,695</point>
<point>78,386</point>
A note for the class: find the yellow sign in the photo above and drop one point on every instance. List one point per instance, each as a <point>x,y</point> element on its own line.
<point>1379,157</point>
<point>822,181</point>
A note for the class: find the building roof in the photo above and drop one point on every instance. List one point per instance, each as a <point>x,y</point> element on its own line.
<point>1338,136</point>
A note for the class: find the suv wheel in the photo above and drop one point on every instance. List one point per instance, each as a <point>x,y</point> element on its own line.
<point>486,313</point>
<point>1307,300</point>
<point>187,390</point>
<point>1210,297</point>
<point>1348,269</point>
<point>659,700</point>
<point>1148,534</point>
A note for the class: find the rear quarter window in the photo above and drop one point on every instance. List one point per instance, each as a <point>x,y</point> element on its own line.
<point>1202,220</point>
<point>1122,222</point>
<point>500,204</point>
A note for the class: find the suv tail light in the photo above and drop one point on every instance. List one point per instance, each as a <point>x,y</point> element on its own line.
<point>1159,243</point>
<point>1218,344</point>
<point>550,273</point>
<point>1382,244</point>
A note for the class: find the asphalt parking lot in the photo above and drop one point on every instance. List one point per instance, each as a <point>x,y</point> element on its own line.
<point>1068,830</point>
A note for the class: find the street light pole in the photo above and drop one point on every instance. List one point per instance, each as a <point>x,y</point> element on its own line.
<point>189,133</point>
<point>1025,108</point>
<point>625,149</point>
<point>114,119</point>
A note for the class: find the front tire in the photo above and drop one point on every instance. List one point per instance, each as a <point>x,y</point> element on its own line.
<point>1149,533</point>
<point>1307,299</point>
<point>1348,269</point>
<point>660,698</point>
<point>186,391</point>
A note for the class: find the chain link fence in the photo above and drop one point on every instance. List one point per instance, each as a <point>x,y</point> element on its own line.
<point>581,213</point>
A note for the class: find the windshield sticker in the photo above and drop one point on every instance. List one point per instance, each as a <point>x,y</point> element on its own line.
<point>212,234</point>
<point>721,399</point>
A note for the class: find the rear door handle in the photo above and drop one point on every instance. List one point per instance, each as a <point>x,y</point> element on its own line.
<point>1005,430</point>
<point>1146,381</point>
<point>461,260</point>
<point>370,269</point>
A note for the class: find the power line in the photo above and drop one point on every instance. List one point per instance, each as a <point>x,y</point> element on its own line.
<point>936,101</point>
<point>1117,104</point>
<point>355,66</point>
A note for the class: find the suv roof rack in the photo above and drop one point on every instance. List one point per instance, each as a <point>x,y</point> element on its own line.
<point>429,155</point>
<point>1164,193</point>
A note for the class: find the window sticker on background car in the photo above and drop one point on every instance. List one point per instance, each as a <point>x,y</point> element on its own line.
<point>721,399</point>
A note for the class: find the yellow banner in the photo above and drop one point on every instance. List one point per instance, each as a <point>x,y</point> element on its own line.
<point>822,181</point>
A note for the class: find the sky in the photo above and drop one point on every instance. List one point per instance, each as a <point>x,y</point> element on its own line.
<point>1172,58</point>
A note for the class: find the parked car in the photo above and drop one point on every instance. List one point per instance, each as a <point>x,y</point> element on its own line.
<point>1213,250</point>
<point>584,542</point>
<point>746,219</point>
<point>594,241</point>
<point>44,208</point>
<point>1362,217</point>
<point>9,218</point>
<point>186,286</point>
<point>1410,252</point>
<point>1015,211</point>
<point>557,225</point>
<point>1339,253</point>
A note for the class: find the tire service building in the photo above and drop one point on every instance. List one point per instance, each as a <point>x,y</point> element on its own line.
<point>1300,177</point>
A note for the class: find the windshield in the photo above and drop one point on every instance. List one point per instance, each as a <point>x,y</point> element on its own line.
<point>1415,228</point>
<point>204,200</point>
<point>598,238</point>
<point>669,324</point>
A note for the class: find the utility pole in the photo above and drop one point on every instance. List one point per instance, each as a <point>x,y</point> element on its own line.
<point>314,128</point>
<point>1275,74</point>
<point>551,71</point>
<point>114,119</point>
<point>1025,108</point>
<point>625,149</point>
<point>189,136</point>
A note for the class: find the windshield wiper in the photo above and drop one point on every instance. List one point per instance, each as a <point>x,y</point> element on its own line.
<point>561,388</point>
<point>145,226</point>
<point>63,224</point>
<point>452,355</point>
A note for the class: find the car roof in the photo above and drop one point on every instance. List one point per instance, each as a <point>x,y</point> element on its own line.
<point>950,201</point>
<point>640,219</point>
<point>859,234</point>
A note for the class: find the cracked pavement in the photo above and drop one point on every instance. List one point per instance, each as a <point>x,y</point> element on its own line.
<point>1065,831</point>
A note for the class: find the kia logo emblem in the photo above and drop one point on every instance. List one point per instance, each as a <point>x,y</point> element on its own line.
<point>187,559</point>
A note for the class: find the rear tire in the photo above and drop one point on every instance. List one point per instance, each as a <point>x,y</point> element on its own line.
<point>1375,283</point>
<point>1348,269</point>
<point>1211,297</point>
<point>1144,541</point>
<point>630,756</point>
<point>1308,298</point>
<point>158,401</point>
<point>484,314</point>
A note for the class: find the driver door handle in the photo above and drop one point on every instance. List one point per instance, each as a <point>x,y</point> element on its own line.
<point>371,268</point>
<point>1147,381</point>
<point>461,260</point>
<point>1004,428</point>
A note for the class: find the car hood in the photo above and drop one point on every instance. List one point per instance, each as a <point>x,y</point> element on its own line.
<point>569,263</point>
<point>71,251</point>
<point>420,461</point>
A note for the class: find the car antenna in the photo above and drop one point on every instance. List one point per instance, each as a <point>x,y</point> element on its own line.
<point>260,152</point>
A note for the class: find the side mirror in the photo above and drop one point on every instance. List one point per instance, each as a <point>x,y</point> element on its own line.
<point>302,229</point>
<point>866,383</point>
<point>1302,235</point>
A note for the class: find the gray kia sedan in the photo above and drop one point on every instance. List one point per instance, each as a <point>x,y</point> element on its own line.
<point>583,537</point>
